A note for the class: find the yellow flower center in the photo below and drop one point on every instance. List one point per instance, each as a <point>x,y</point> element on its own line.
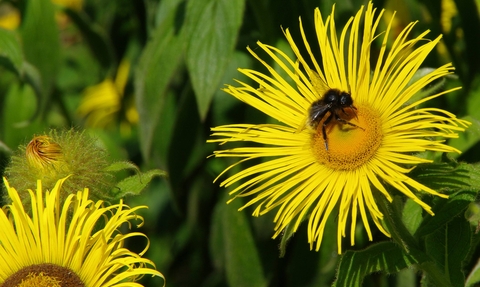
<point>349,146</point>
<point>43,275</point>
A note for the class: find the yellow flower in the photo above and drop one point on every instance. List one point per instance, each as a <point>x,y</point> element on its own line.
<point>321,157</point>
<point>43,153</point>
<point>9,17</point>
<point>449,11</point>
<point>102,103</point>
<point>77,244</point>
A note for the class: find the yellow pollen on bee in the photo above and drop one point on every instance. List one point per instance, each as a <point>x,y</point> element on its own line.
<point>348,146</point>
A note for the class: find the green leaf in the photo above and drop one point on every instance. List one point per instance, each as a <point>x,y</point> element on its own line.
<point>11,55</point>
<point>445,211</point>
<point>217,242</point>
<point>242,262</point>
<point>385,256</point>
<point>449,246</point>
<point>41,43</point>
<point>412,215</point>
<point>156,69</point>
<point>449,175</point>
<point>287,234</point>
<point>133,185</point>
<point>430,89</point>
<point>471,136</point>
<point>18,107</point>
<point>95,37</point>
<point>122,165</point>
<point>212,28</point>
<point>474,276</point>
<point>406,278</point>
<point>473,99</point>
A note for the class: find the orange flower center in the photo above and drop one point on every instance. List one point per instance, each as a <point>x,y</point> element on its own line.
<point>349,146</point>
<point>43,275</point>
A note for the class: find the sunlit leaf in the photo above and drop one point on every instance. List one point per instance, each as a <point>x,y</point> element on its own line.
<point>213,29</point>
<point>11,54</point>
<point>156,69</point>
<point>133,185</point>
<point>41,44</point>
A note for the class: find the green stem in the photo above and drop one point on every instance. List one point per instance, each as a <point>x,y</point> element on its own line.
<point>393,218</point>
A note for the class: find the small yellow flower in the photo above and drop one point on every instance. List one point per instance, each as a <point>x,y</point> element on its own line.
<point>332,158</point>
<point>43,153</point>
<point>74,244</point>
<point>449,11</point>
<point>9,16</point>
<point>102,103</point>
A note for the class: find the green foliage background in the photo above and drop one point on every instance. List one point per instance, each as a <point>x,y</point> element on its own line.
<point>182,53</point>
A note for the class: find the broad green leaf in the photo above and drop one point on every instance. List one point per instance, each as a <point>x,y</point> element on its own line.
<point>32,76</point>
<point>381,257</point>
<point>213,26</point>
<point>223,103</point>
<point>41,44</point>
<point>156,69</point>
<point>134,184</point>
<point>412,215</point>
<point>11,54</point>
<point>449,175</point>
<point>449,246</point>
<point>242,262</point>
<point>18,107</point>
<point>445,211</point>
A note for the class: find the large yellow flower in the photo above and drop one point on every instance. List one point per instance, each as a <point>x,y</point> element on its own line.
<point>77,244</point>
<point>338,155</point>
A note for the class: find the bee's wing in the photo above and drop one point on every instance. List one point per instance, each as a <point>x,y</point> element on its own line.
<point>320,87</point>
<point>318,83</point>
<point>316,113</point>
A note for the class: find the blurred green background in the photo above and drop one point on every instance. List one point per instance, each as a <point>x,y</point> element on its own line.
<point>144,78</point>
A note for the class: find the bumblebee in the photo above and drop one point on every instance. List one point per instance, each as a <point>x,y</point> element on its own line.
<point>332,105</point>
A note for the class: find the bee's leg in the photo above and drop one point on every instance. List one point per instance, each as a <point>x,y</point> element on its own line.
<point>345,122</point>
<point>353,110</point>
<point>324,131</point>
